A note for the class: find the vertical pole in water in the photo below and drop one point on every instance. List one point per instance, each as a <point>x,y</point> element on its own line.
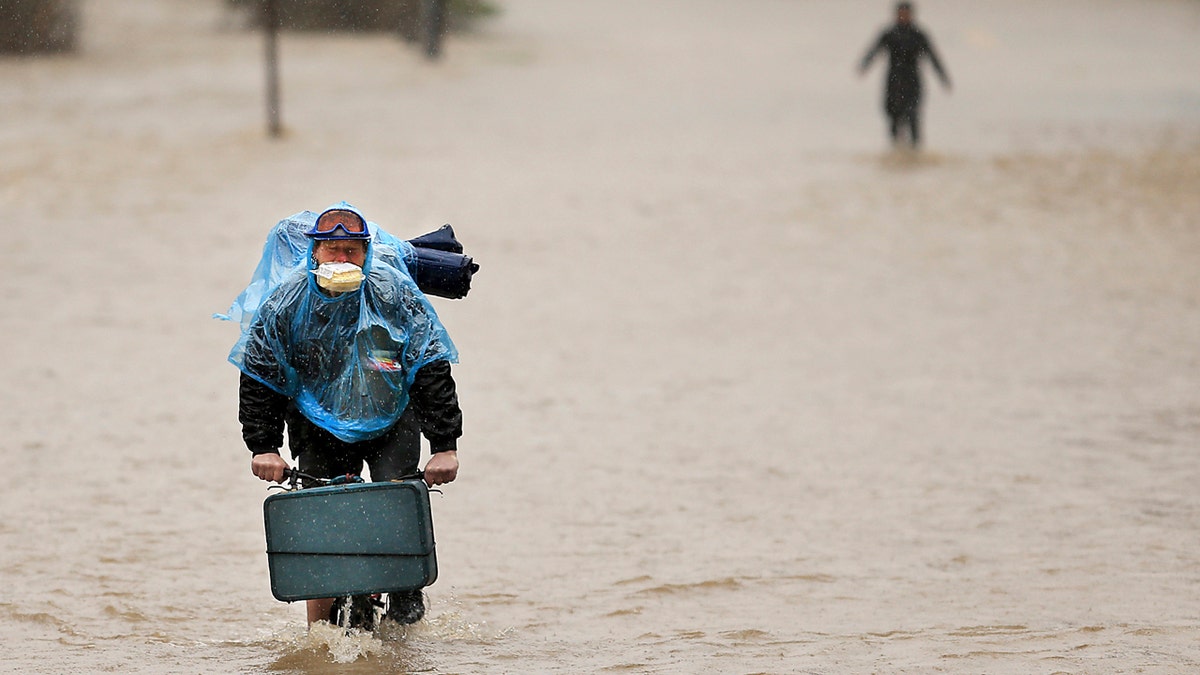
<point>434,26</point>
<point>271,30</point>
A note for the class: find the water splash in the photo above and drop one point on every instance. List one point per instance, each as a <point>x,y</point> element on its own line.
<point>324,641</point>
<point>452,623</point>
<point>391,647</point>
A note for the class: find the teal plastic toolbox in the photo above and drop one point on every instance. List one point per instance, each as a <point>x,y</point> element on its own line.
<point>350,539</point>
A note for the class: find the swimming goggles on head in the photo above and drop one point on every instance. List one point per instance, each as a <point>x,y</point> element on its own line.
<point>339,224</point>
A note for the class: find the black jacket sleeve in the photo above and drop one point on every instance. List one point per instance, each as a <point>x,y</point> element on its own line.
<point>937,63</point>
<point>435,401</point>
<point>261,410</point>
<point>879,45</point>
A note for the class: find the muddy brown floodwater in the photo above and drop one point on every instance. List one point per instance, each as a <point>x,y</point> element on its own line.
<point>746,391</point>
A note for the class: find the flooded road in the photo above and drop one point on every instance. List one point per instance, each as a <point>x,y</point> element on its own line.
<point>746,391</point>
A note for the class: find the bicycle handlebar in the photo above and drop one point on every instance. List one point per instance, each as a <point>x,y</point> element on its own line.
<point>294,475</point>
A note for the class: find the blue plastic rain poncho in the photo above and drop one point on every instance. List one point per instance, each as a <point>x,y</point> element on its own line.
<point>347,360</point>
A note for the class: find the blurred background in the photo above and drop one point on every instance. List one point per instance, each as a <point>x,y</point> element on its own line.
<point>747,389</point>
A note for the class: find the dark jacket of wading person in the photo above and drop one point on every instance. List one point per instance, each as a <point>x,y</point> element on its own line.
<point>905,44</point>
<point>354,365</point>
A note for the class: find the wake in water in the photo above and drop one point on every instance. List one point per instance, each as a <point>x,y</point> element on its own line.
<point>392,647</point>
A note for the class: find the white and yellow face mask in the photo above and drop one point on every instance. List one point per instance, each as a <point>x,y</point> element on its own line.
<point>339,277</point>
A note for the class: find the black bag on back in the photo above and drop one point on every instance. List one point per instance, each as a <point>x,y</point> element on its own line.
<point>442,269</point>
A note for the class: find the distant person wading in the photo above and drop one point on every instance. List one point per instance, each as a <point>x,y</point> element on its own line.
<point>905,44</point>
